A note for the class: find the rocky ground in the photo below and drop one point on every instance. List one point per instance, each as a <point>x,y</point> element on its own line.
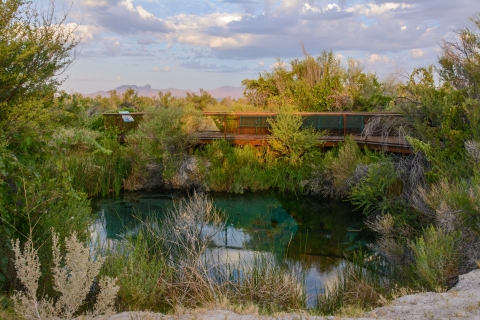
<point>461,302</point>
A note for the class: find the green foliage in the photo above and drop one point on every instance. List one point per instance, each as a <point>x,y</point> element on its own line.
<point>436,258</point>
<point>36,200</point>
<point>201,101</point>
<point>289,140</point>
<point>163,138</point>
<point>317,84</point>
<point>35,49</point>
<point>373,188</point>
<point>36,191</point>
<point>96,167</point>
<point>234,169</point>
<point>140,270</point>
<point>443,119</point>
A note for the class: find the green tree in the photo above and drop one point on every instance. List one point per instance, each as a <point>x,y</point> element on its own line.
<point>290,141</point>
<point>317,84</point>
<point>35,49</point>
<point>201,101</point>
<point>36,191</point>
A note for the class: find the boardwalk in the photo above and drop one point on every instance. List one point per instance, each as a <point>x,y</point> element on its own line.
<point>241,128</point>
<point>390,144</point>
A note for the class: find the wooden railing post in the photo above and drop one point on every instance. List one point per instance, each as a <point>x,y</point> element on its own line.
<point>225,127</point>
<point>344,125</point>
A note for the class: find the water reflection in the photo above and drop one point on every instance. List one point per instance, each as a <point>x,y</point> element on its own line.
<point>304,233</point>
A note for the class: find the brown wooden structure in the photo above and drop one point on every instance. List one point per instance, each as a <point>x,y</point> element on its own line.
<point>241,128</point>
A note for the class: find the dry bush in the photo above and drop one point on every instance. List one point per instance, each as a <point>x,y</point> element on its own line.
<point>263,282</point>
<point>436,258</point>
<point>185,233</point>
<point>391,242</point>
<point>386,126</point>
<point>358,285</point>
<point>473,150</point>
<point>73,274</point>
<point>455,207</point>
<point>189,271</point>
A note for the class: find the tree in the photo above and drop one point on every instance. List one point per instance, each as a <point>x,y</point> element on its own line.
<point>317,84</point>
<point>201,101</point>
<point>35,48</point>
<point>460,59</point>
<point>290,141</point>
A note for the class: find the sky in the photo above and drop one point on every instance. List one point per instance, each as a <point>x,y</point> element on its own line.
<point>193,44</point>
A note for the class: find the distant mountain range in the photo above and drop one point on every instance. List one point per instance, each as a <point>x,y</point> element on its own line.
<point>219,93</point>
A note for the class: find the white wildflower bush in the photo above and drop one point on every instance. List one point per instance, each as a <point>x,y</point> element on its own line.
<point>73,274</point>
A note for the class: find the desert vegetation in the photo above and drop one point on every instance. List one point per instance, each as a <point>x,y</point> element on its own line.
<point>56,153</point>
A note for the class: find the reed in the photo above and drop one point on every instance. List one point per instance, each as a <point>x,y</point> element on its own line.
<point>361,284</point>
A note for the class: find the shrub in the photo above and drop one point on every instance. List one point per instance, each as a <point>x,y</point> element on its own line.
<point>73,274</point>
<point>157,149</point>
<point>373,188</point>
<point>235,169</point>
<point>436,258</point>
<point>289,140</point>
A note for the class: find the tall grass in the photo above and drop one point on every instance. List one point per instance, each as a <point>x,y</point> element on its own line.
<point>239,169</point>
<point>99,172</point>
<point>234,169</point>
<point>361,284</point>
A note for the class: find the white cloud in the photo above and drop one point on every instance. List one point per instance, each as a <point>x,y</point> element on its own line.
<point>165,69</point>
<point>375,10</point>
<point>417,53</point>
<point>83,32</point>
<point>279,64</point>
<point>375,59</point>
<point>94,3</point>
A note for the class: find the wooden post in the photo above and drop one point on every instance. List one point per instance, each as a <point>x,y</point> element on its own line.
<point>344,125</point>
<point>225,127</point>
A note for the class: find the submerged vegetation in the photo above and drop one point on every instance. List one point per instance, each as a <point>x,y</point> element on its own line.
<point>55,152</point>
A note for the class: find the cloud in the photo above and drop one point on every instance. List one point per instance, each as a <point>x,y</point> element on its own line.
<point>375,59</point>
<point>239,1</point>
<point>212,67</point>
<point>417,53</point>
<point>94,3</point>
<point>122,17</point>
<point>377,27</point>
<point>164,69</point>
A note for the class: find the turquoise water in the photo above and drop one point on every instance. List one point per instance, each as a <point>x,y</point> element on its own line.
<point>307,233</point>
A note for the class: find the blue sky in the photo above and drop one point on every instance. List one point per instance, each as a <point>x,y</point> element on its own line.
<point>192,44</point>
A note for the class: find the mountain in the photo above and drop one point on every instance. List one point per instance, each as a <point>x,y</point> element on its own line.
<point>219,93</point>
<point>227,91</point>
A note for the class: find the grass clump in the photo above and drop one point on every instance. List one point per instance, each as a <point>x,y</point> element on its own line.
<point>140,271</point>
<point>359,285</point>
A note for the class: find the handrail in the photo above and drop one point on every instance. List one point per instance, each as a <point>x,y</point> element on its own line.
<point>306,114</point>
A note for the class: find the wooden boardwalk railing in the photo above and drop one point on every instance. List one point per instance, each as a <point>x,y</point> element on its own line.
<point>241,128</point>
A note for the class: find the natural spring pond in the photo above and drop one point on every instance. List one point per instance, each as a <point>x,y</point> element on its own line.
<point>308,233</point>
